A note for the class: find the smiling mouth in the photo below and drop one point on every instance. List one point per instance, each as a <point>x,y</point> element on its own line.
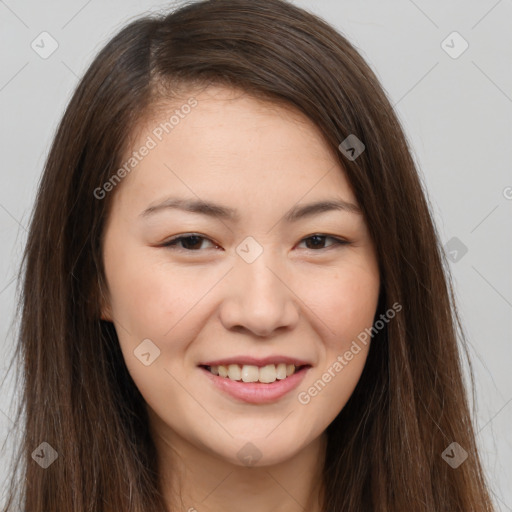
<point>250,373</point>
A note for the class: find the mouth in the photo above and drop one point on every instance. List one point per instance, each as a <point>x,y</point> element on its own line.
<point>254,381</point>
<point>249,373</point>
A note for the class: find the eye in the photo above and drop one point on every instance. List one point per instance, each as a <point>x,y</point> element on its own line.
<point>318,240</point>
<point>187,242</point>
<point>192,242</point>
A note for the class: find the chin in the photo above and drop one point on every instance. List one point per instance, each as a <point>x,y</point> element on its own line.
<point>261,451</point>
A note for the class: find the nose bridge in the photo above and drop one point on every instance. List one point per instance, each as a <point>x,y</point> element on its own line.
<point>256,269</point>
<point>258,297</point>
<point>258,278</point>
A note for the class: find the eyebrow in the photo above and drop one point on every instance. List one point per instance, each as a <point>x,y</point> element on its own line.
<point>218,211</point>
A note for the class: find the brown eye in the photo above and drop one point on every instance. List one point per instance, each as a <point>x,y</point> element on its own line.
<point>192,242</point>
<point>317,241</point>
<point>188,242</point>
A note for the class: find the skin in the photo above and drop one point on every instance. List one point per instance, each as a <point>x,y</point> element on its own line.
<point>296,299</point>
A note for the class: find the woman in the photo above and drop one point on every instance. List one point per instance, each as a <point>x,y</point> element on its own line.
<point>306,358</point>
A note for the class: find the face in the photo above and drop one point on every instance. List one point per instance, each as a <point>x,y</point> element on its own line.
<point>258,286</point>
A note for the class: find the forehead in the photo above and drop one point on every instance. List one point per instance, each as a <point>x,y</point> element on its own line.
<point>230,145</point>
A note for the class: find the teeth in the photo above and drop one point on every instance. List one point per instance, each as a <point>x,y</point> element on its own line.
<point>268,373</point>
<point>281,371</point>
<point>250,373</point>
<point>234,372</point>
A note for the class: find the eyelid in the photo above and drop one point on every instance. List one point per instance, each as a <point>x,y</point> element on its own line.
<point>170,243</point>
<point>338,241</point>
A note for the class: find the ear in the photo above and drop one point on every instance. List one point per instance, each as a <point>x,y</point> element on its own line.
<point>105,307</point>
<point>106,313</point>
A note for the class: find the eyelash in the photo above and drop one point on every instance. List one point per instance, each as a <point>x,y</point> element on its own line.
<point>172,243</point>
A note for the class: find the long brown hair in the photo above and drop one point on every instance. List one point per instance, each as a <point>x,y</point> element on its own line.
<point>384,451</point>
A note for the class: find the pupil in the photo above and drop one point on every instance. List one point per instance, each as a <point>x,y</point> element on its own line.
<point>195,238</point>
<point>318,238</point>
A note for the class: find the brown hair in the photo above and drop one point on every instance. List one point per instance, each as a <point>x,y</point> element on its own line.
<point>384,448</point>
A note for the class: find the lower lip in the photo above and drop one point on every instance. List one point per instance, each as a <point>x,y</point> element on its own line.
<point>257,392</point>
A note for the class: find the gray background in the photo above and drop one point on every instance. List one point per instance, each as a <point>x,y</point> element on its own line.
<point>456,113</point>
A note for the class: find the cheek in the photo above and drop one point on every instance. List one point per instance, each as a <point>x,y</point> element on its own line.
<point>345,301</point>
<point>170,304</point>
<point>346,304</point>
<point>149,298</point>
<point>152,301</point>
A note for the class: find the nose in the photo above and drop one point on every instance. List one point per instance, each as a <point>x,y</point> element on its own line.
<point>258,298</point>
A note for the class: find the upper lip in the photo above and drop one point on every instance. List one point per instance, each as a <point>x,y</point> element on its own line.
<point>256,361</point>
